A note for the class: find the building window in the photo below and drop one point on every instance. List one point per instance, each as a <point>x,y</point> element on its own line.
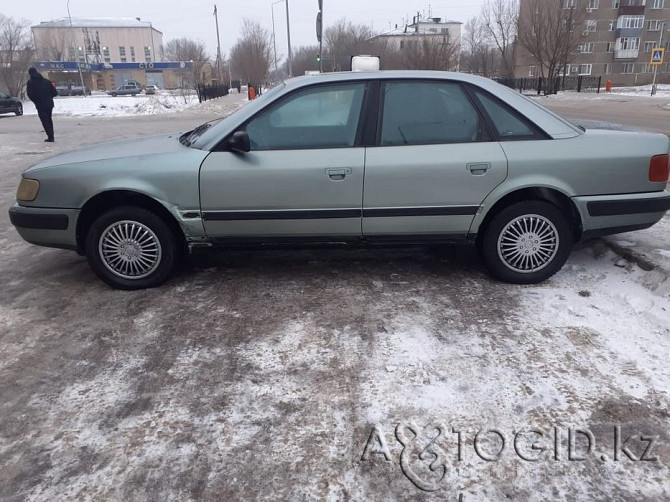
<point>648,46</point>
<point>132,53</point>
<point>647,68</point>
<point>609,47</point>
<point>81,55</point>
<point>628,68</point>
<point>608,68</point>
<point>445,30</point>
<point>532,71</point>
<point>591,26</point>
<point>147,54</point>
<point>615,4</point>
<point>593,4</point>
<point>658,4</point>
<point>586,48</point>
<point>585,69</point>
<point>71,55</point>
<point>629,43</point>
<point>654,25</point>
<point>122,54</point>
<point>631,22</point>
<point>105,54</point>
<point>569,4</point>
<point>613,24</point>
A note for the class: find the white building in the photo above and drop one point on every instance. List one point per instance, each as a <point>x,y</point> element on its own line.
<point>110,51</point>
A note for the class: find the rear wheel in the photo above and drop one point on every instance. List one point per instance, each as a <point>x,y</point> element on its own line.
<point>131,248</point>
<point>19,110</point>
<point>527,242</point>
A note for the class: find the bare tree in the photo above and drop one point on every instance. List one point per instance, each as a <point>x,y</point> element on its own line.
<point>51,45</point>
<point>16,54</point>
<point>344,40</point>
<point>478,55</point>
<point>185,49</point>
<point>501,18</point>
<point>252,54</point>
<point>430,52</point>
<point>305,59</point>
<point>550,32</point>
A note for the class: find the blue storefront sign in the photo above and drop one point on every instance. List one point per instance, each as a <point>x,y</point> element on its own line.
<point>97,67</point>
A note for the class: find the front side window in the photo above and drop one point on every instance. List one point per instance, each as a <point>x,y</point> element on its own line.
<point>318,117</point>
<point>423,113</point>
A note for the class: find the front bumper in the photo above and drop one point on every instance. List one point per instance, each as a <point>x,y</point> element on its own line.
<point>46,226</point>
<point>612,214</point>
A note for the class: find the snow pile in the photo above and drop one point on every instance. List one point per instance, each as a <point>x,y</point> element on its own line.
<point>103,105</point>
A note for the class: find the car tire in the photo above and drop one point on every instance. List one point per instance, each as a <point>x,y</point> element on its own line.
<point>114,94</point>
<point>527,242</point>
<point>19,110</point>
<point>131,248</point>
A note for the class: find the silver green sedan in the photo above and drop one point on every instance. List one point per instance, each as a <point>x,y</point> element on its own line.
<point>356,158</point>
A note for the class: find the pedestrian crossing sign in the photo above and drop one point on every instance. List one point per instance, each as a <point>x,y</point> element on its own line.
<point>657,54</point>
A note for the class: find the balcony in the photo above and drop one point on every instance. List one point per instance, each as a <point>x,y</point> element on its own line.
<point>626,53</point>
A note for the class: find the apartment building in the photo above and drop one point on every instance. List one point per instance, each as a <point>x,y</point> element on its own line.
<point>616,41</point>
<point>109,52</point>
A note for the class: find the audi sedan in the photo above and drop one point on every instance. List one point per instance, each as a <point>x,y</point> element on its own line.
<point>352,158</point>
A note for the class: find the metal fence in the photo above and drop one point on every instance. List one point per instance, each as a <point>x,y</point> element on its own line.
<point>543,85</point>
<point>206,92</point>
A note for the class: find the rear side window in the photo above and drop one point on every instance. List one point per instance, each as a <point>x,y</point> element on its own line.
<point>507,124</point>
<point>421,113</point>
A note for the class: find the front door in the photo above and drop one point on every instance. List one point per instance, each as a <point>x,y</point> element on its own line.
<point>303,177</point>
<point>433,165</point>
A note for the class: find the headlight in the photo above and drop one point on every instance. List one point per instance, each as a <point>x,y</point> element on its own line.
<point>27,190</point>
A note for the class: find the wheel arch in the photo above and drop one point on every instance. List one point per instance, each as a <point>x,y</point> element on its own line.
<point>551,195</point>
<point>110,199</point>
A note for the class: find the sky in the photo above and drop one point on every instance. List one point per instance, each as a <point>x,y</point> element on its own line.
<point>196,21</point>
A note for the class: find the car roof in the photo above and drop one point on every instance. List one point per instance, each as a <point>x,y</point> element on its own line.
<point>555,126</point>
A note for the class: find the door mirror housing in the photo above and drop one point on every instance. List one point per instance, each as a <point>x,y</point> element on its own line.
<point>238,142</point>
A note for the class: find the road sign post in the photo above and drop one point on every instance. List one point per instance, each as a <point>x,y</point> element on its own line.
<point>657,57</point>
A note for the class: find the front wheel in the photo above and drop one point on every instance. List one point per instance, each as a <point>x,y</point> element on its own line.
<point>19,110</point>
<point>131,248</point>
<point>527,242</point>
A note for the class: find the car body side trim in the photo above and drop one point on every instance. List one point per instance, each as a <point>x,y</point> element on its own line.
<point>420,211</point>
<point>38,221</point>
<point>295,214</point>
<point>632,206</point>
<point>312,214</point>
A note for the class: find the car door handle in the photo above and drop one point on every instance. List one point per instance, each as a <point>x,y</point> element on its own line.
<point>338,174</point>
<point>478,168</point>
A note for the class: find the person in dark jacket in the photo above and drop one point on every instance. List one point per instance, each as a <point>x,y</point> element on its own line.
<point>42,92</point>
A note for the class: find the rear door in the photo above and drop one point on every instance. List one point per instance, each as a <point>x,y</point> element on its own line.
<point>433,164</point>
<point>303,177</point>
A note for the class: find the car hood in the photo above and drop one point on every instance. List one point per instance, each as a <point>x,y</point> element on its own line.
<point>152,145</point>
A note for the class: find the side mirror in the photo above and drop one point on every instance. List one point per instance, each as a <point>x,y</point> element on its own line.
<point>238,142</point>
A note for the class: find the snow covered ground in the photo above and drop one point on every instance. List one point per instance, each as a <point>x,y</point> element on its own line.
<point>103,105</point>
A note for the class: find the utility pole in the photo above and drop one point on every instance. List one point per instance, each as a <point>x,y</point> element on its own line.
<point>288,36</point>
<point>319,34</point>
<point>218,47</point>
<point>660,45</point>
<point>274,37</point>
<point>81,77</point>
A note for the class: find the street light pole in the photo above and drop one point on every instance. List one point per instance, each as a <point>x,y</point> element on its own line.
<point>274,38</point>
<point>76,56</point>
<point>288,36</point>
<point>660,45</point>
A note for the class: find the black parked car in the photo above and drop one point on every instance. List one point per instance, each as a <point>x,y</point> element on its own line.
<point>78,90</point>
<point>9,104</point>
<point>63,89</point>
